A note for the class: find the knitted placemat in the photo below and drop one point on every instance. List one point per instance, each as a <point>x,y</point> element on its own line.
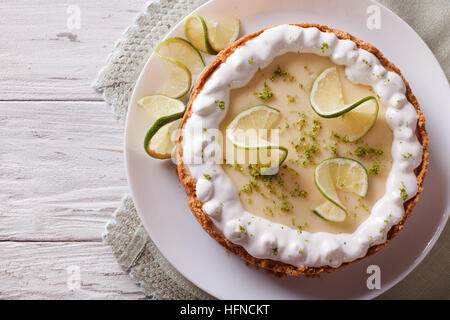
<point>135,251</point>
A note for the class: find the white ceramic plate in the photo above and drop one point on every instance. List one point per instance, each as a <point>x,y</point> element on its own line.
<point>161,201</point>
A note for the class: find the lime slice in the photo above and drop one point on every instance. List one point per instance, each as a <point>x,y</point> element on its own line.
<point>164,111</point>
<point>330,212</point>
<point>158,106</point>
<point>161,144</point>
<point>196,30</point>
<point>183,51</point>
<point>256,119</point>
<point>327,101</point>
<point>326,94</point>
<point>270,159</point>
<point>357,123</point>
<point>224,33</point>
<point>250,130</point>
<point>178,81</point>
<point>341,173</point>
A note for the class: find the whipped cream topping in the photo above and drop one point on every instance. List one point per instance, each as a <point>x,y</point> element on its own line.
<point>262,238</point>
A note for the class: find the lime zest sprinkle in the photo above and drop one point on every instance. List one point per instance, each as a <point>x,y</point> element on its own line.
<point>268,211</point>
<point>220,103</point>
<point>403,193</point>
<point>299,227</point>
<point>299,193</point>
<point>242,230</point>
<point>278,73</point>
<point>291,99</point>
<point>207,176</point>
<point>375,168</point>
<point>246,188</point>
<point>335,135</point>
<point>407,156</point>
<point>309,150</point>
<point>286,206</point>
<point>364,151</point>
<point>333,150</point>
<point>362,205</point>
<point>266,94</point>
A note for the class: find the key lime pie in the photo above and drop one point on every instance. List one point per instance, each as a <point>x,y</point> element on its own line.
<point>338,160</point>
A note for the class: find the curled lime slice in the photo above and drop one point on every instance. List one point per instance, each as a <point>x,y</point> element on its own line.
<point>182,51</point>
<point>270,159</point>
<point>356,123</point>
<point>250,130</point>
<point>159,143</point>
<point>341,173</point>
<point>178,80</point>
<point>224,33</point>
<point>165,112</point>
<point>330,212</point>
<point>196,30</point>
<point>327,100</point>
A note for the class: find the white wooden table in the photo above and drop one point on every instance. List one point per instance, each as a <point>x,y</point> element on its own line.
<point>62,173</point>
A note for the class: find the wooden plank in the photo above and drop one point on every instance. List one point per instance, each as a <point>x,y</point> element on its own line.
<point>42,59</point>
<point>62,173</point>
<point>50,271</point>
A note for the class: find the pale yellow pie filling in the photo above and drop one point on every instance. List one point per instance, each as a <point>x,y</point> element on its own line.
<point>290,197</point>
